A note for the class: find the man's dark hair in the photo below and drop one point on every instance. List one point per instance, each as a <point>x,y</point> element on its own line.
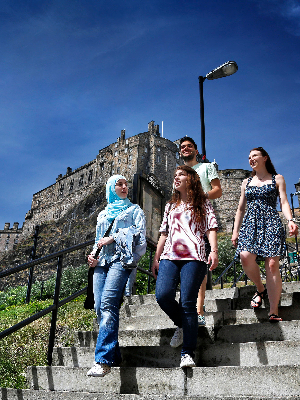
<point>188,139</point>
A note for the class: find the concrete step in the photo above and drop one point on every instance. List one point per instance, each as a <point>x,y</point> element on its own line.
<point>249,354</point>
<point>228,293</point>
<point>260,332</point>
<point>153,309</point>
<point>143,307</point>
<point>213,319</point>
<point>143,337</point>
<point>207,355</point>
<point>287,300</point>
<point>274,381</point>
<point>27,394</point>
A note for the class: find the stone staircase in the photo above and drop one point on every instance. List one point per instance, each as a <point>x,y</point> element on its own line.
<point>240,355</point>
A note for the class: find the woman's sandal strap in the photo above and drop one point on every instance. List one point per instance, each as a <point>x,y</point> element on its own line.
<point>274,318</point>
<point>258,294</point>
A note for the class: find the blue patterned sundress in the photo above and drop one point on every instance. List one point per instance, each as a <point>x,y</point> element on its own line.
<point>262,232</point>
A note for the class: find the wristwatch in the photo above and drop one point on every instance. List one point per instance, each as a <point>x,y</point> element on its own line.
<point>292,219</point>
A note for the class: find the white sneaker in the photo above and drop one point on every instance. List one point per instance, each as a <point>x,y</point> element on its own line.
<point>177,338</point>
<point>187,361</point>
<point>99,369</point>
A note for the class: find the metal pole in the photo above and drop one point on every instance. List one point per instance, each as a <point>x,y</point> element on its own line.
<point>201,80</point>
<point>54,312</point>
<point>33,253</point>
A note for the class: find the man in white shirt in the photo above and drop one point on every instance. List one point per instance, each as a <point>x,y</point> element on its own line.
<point>211,185</point>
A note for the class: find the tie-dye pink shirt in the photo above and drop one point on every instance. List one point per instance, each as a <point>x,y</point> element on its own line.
<point>185,238</point>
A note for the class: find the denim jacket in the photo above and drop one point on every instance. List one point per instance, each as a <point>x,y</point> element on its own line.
<point>129,233</point>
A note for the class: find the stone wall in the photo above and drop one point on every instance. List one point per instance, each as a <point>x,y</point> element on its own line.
<point>226,206</point>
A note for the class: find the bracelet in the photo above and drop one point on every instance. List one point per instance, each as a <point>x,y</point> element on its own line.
<point>214,251</point>
<point>292,219</point>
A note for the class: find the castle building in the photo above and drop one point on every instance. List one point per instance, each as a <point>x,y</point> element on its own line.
<point>146,153</point>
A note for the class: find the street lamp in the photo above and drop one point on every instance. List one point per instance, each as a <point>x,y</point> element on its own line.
<point>226,69</point>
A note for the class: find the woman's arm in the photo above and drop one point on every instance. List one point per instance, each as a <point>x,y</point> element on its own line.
<point>213,256</point>
<point>216,190</point>
<point>239,214</point>
<point>159,250</point>
<point>285,207</point>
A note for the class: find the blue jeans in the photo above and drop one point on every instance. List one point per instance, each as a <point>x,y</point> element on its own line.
<point>190,274</point>
<point>108,286</point>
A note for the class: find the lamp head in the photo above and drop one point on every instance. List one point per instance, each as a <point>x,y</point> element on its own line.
<point>226,69</point>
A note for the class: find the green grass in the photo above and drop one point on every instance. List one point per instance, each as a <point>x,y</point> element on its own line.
<point>29,345</point>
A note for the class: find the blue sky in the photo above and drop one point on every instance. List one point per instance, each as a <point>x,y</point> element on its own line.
<point>73,73</point>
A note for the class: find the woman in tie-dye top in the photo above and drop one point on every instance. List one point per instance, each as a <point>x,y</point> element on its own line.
<point>180,257</point>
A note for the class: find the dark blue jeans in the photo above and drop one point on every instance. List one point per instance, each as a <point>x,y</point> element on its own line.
<point>190,274</point>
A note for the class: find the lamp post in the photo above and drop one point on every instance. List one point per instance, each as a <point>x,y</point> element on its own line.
<point>226,69</point>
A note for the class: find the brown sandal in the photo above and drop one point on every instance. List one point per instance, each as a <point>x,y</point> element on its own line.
<point>258,303</point>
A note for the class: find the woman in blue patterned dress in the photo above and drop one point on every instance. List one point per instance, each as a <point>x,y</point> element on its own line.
<point>259,230</point>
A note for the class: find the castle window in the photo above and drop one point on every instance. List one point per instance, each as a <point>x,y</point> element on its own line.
<point>126,149</point>
<point>71,185</point>
<point>118,170</point>
<point>158,159</point>
<point>130,157</point>
<point>119,161</point>
<point>61,189</point>
<point>116,153</point>
<point>90,175</point>
<point>146,149</point>
<point>102,166</point>
<point>81,180</point>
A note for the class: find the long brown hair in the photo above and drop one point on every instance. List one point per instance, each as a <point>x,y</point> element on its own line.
<point>269,165</point>
<point>195,194</point>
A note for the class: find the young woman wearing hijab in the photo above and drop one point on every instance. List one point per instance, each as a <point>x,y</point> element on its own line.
<point>259,230</point>
<point>124,245</point>
<point>180,257</point>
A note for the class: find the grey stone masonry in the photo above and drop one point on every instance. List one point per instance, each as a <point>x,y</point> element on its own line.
<point>10,236</point>
<point>239,355</point>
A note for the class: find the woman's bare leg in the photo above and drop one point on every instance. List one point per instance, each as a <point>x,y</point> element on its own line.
<point>251,269</point>
<point>274,283</point>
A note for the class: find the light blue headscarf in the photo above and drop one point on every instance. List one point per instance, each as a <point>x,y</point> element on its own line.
<point>115,204</point>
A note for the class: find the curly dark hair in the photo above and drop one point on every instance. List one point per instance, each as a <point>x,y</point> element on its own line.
<point>269,165</point>
<point>195,194</point>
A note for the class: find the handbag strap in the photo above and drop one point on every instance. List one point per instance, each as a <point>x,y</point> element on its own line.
<point>107,232</point>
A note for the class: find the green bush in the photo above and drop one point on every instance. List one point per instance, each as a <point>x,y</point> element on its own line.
<point>141,278</point>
